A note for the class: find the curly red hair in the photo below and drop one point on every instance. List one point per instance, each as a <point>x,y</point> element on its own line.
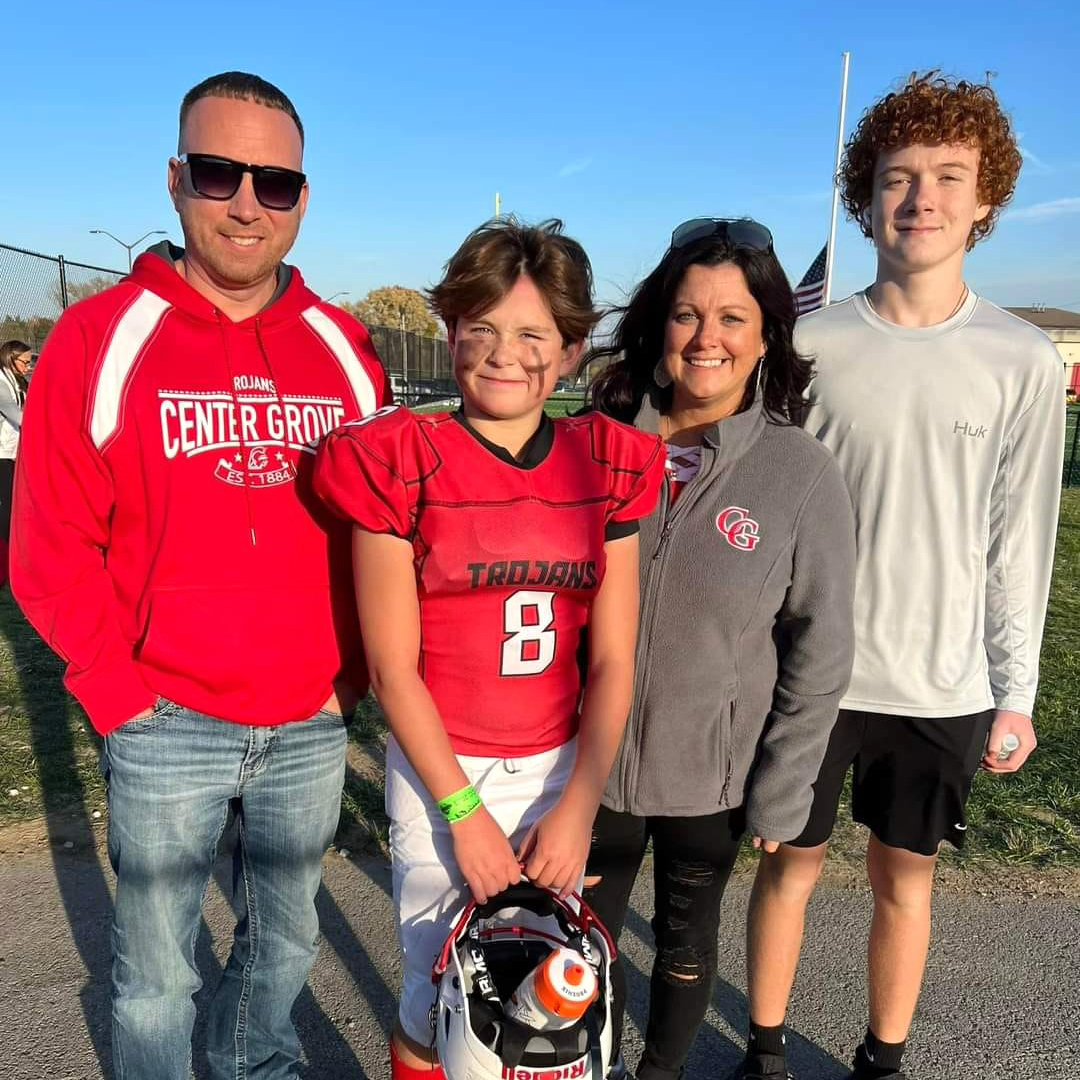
<point>933,109</point>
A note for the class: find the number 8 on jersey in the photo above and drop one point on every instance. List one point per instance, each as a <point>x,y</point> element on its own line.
<point>528,617</point>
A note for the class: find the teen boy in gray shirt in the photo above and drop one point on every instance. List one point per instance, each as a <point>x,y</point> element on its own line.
<point>946,417</point>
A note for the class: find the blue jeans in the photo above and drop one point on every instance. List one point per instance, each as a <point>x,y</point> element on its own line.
<point>171,778</point>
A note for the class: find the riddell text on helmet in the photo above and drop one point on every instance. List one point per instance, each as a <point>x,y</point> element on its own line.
<point>567,1072</point>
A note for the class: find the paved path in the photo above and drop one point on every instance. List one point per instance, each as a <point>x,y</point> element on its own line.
<point>1003,984</point>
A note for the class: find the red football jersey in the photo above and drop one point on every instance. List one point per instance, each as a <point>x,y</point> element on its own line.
<point>508,553</point>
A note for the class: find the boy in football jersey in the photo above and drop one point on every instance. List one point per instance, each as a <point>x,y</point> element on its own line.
<point>486,541</point>
<point>945,414</point>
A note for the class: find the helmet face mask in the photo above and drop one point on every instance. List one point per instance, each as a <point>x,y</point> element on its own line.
<point>487,955</point>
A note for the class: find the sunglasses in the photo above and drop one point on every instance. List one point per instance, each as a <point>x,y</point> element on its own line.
<point>220,178</point>
<point>742,232</point>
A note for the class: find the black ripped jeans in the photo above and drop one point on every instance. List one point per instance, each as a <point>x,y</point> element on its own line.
<point>692,861</point>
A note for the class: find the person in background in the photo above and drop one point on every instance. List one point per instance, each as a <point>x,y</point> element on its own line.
<point>745,639</point>
<point>488,542</point>
<point>167,544</point>
<point>15,360</point>
<point>945,415</point>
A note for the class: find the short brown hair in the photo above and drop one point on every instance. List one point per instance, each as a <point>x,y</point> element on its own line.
<point>486,266</point>
<point>934,109</point>
<point>241,86</point>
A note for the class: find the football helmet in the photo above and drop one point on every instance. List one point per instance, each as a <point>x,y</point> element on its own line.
<point>490,950</point>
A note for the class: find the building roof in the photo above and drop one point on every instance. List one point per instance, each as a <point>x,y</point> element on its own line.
<point>1048,318</point>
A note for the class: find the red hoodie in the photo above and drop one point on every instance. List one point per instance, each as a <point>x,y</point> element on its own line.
<point>165,539</point>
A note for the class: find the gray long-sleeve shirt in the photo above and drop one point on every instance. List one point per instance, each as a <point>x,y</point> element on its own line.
<point>950,438</point>
<point>10,414</point>
<point>745,640</point>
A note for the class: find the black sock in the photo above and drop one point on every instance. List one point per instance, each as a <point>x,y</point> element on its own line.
<point>765,1040</point>
<point>875,1058</point>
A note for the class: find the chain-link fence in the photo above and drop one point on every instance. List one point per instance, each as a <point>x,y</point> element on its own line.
<point>421,371</point>
<point>35,288</point>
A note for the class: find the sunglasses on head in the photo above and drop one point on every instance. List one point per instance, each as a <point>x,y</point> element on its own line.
<point>742,232</point>
<point>219,178</point>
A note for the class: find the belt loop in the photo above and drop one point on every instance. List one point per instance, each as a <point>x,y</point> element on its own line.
<point>510,765</point>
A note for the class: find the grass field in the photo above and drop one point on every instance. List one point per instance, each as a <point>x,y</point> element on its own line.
<point>1071,473</point>
<point>48,753</point>
<point>1034,816</point>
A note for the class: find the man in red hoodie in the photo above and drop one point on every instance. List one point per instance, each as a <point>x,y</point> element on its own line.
<point>167,545</point>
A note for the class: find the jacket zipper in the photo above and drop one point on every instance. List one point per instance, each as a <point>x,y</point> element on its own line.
<point>665,532</point>
<point>730,741</point>
<point>631,761</point>
<point>652,579</point>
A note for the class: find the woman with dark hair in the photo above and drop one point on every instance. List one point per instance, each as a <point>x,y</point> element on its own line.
<point>15,357</point>
<point>745,636</point>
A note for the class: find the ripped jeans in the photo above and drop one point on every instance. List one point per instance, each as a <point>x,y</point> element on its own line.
<point>692,861</point>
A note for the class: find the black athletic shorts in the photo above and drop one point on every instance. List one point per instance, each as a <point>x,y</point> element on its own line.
<point>911,782</point>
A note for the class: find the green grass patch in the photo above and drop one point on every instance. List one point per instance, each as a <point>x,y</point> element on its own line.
<point>1033,816</point>
<point>564,404</point>
<point>48,752</point>
<point>363,816</point>
<point>1070,475</point>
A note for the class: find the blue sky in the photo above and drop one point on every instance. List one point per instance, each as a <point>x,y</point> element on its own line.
<point>622,118</point>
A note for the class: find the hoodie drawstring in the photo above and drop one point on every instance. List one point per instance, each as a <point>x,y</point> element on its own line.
<point>273,378</point>
<point>239,425</point>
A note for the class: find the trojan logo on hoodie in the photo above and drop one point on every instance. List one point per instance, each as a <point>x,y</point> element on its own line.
<point>249,430</point>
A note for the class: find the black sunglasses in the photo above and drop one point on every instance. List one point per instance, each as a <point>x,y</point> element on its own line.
<point>743,232</point>
<point>219,178</point>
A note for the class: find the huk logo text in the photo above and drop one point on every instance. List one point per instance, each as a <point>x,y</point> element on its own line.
<point>970,430</point>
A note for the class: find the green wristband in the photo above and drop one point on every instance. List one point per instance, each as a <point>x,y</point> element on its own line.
<point>460,804</point>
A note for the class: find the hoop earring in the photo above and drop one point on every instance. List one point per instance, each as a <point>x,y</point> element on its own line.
<point>760,374</point>
<point>661,376</point>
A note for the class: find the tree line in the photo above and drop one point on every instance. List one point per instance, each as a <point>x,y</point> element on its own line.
<point>395,306</point>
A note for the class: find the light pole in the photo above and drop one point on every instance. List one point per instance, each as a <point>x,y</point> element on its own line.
<point>404,355</point>
<point>128,247</point>
<point>337,294</point>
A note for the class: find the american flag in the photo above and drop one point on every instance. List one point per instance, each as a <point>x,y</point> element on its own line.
<point>811,290</point>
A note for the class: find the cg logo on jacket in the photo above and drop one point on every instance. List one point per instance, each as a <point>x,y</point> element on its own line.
<point>738,528</point>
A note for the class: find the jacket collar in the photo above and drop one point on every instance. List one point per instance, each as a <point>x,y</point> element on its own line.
<point>155,269</point>
<point>730,438</point>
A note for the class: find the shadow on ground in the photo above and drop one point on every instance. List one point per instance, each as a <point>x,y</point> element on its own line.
<point>85,890</point>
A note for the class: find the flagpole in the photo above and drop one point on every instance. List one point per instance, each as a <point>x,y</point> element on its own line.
<point>829,252</point>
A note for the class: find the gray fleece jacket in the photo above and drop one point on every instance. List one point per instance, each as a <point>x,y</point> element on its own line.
<point>745,642</point>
